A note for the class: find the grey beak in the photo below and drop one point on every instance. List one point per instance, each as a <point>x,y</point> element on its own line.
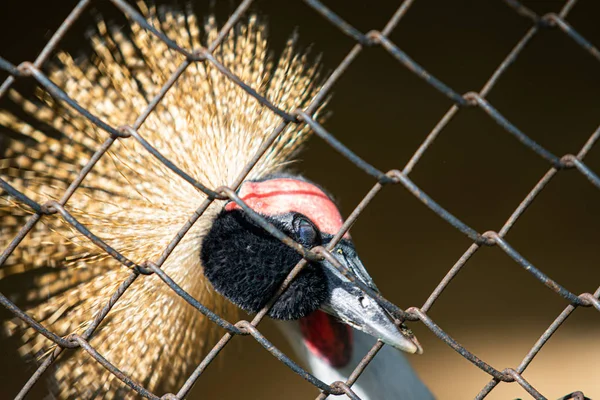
<point>354,307</point>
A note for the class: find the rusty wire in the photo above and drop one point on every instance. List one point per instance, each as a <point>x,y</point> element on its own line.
<point>369,39</point>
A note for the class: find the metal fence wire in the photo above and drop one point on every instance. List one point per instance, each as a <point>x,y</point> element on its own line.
<point>373,38</point>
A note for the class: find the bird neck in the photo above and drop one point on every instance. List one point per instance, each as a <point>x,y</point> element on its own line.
<point>388,376</point>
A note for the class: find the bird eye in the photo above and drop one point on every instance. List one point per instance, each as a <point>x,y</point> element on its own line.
<point>306,231</point>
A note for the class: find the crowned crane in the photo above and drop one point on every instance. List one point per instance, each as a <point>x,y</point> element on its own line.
<point>211,128</point>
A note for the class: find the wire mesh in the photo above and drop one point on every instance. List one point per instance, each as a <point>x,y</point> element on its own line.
<point>374,38</point>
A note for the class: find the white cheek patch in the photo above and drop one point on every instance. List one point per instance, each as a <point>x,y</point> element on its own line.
<point>283,195</point>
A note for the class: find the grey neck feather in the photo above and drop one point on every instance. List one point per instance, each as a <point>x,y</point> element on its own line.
<point>388,376</point>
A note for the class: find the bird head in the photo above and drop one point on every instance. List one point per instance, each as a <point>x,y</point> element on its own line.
<point>247,265</point>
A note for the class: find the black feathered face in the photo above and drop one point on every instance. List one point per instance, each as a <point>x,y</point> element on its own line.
<point>247,265</point>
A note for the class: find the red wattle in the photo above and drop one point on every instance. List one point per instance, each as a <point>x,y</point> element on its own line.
<point>327,338</point>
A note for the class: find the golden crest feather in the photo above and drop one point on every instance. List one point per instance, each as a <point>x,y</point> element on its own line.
<point>206,125</point>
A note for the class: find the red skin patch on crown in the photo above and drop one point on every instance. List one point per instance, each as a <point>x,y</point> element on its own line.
<point>283,195</point>
<point>327,338</point>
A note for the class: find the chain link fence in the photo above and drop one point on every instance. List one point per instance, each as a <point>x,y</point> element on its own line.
<point>374,38</point>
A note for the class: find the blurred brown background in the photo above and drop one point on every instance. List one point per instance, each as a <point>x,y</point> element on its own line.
<point>474,169</point>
